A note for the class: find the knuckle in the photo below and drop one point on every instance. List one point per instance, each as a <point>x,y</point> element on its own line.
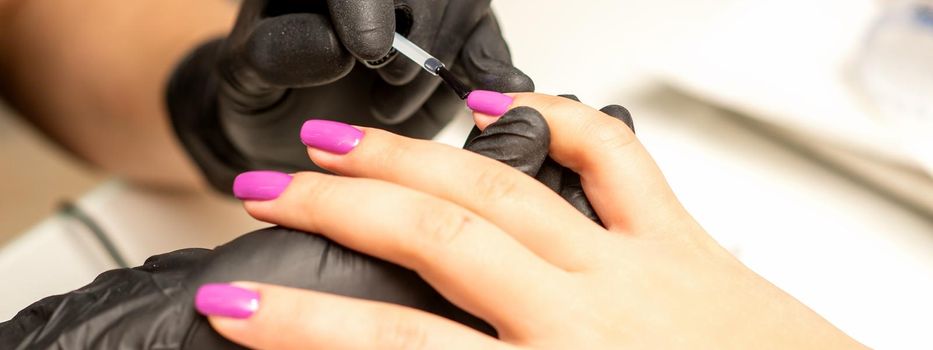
<point>611,134</point>
<point>402,333</point>
<point>313,190</point>
<point>442,227</point>
<point>495,184</point>
<point>394,153</point>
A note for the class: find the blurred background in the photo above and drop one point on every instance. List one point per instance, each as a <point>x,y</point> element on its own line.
<point>798,132</point>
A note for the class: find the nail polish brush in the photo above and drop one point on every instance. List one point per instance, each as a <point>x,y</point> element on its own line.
<point>433,65</point>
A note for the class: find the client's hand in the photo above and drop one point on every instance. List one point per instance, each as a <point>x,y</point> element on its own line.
<point>509,250</point>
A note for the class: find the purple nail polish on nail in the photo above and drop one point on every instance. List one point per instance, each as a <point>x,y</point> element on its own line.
<point>330,136</point>
<point>489,102</point>
<point>225,300</point>
<point>260,185</point>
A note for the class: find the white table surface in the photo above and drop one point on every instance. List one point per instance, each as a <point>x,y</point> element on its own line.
<point>861,261</point>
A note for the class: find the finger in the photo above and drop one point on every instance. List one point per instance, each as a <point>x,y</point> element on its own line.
<point>618,175</point>
<point>496,192</point>
<point>292,50</point>
<point>567,183</point>
<point>288,318</point>
<point>486,60</point>
<point>620,113</point>
<point>519,139</point>
<point>459,253</point>
<point>365,27</point>
<point>571,188</point>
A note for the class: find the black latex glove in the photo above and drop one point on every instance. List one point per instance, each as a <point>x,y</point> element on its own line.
<point>152,306</point>
<point>237,103</point>
<point>521,138</point>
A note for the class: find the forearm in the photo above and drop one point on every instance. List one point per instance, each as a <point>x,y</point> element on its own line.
<point>92,74</point>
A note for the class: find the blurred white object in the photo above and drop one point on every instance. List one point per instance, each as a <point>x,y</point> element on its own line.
<point>792,65</point>
<point>787,63</point>
<point>896,71</point>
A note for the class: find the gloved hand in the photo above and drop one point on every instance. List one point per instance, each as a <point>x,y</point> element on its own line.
<point>521,138</point>
<point>235,103</point>
<point>151,306</point>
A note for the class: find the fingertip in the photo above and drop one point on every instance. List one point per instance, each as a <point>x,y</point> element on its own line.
<point>227,327</point>
<point>323,159</point>
<point>237,331</point>
<point>260,185</point>
<point>254,206</point>
<point>620,113</point>
<point>297,50</point>
<point>483,121</point>
<point>492,103</point>
<point>491,74</point>
<point>261,211</point>
<point>366,28</point>
<point>486,113</point>
<point>372,139</point>
<point>369,44</point>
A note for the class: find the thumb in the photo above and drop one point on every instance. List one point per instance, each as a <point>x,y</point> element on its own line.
<point>276,53</point>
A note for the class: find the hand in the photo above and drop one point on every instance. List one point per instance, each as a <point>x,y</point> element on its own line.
<point>149,307</point>
<point>235,101</point>
<point>520,139</point>
<point>509,250</point>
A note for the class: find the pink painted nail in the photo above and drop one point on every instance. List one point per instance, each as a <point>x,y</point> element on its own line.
<point>260,185</point>
<point>225,300</point>
<point>489,102</point>
<point>330,136</point>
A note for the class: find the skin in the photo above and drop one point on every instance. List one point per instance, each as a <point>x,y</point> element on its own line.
<point>95,82</point>
<point>653,278</point>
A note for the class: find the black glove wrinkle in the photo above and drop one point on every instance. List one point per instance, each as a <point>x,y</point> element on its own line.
<point>572,191</point>
<point>151,307</point>
<point>296,50</point>
<point>501,142</point>
<point>365,27</point>
<point>520,139</point>
<point>195,118</point>
<point>286,61</point>
<point>487,62</point>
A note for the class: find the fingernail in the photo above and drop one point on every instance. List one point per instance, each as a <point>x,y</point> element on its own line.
<point>260,185</point>
<point>330,136</point>
<point>225,300</point>
<point>489,102</point>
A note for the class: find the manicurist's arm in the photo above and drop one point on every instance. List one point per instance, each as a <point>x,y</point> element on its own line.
<point>91,74</point>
